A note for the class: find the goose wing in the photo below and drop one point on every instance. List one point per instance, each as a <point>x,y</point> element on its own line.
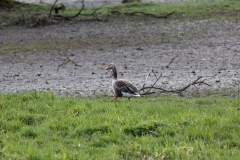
<point>125,86</point>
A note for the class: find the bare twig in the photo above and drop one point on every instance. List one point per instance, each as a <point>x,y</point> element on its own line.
<point>35,24</point>
<point>95,11</point>
<point>171,61</point>
<point>186,87</point>
<point>68,60</point>
<point>79,12</point>
<point>155,82</point>
<point>151,87</point>
<point>162,90</point>
<point>50,13</point>
<point>147,78</point>
<point>155,75</point>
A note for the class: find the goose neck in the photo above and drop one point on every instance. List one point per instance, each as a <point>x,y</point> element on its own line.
<point>114,72</point>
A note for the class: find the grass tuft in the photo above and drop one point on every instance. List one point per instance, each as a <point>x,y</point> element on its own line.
<point>94,129</point>
<point>144,129</point>
<point>231,144</point>
<point>29,132</point>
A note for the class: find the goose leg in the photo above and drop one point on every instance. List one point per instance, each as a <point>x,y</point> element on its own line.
<point>113,99</point>
<point>128,99</point>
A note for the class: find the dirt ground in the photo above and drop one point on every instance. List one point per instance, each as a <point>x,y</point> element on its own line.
<point>209,48</point>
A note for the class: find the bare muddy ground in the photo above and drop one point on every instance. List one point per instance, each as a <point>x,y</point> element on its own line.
<point>91,3</point>
<point>208,48</point>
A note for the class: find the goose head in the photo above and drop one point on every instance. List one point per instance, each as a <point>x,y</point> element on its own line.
<point>114,70</point>
<point>110,66</point>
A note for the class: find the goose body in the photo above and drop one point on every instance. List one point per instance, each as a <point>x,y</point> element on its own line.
<point>121,87</point>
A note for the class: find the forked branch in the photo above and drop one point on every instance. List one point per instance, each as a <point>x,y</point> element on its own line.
<point>67,61</point>
<point>80,11</point>
<point>146,90</point>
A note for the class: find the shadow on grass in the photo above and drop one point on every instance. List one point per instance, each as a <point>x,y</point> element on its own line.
<point>92,130</point>
<point>154,129</point>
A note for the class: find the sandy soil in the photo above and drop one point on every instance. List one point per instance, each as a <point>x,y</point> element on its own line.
<point>208,48</point>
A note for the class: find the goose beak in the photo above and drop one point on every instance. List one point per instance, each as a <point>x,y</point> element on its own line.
<point>107,68</point>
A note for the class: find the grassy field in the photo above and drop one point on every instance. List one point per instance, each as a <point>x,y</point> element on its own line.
<point>40,125</point>
<point>22,14</point>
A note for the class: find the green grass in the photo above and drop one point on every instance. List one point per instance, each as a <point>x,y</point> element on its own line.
<point>40,125</point>
<point>223,9</point>
<point>187,10</point>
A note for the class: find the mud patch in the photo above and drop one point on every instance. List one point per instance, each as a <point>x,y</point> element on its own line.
<point>207,48</point>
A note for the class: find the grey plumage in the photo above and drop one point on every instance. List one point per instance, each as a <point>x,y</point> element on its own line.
<point>122,88</point>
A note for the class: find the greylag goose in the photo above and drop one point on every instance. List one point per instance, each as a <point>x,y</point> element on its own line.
<point>122,88</point>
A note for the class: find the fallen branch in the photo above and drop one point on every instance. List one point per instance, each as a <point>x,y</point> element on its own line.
<point>50,13</point>
<point>171,61</point>
<point>152,15</point>
<point>68,60</point>
<point>153,84</point>
<point>37,21</point>
<point>79,12</point>
<point>147,78</point>
<point>162,90</point>
<point>94,13</point>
